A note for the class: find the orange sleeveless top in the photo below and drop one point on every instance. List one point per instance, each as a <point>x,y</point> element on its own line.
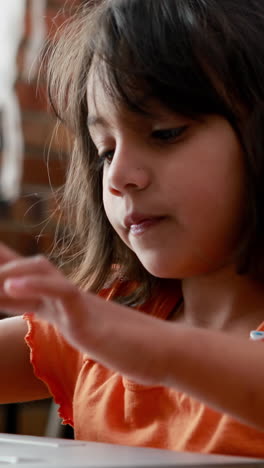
<point>104,406</point>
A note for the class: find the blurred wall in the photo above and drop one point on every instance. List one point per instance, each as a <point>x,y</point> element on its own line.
<point>25,224</point>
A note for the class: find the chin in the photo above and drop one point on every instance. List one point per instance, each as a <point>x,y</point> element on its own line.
<point>175,270</point>
<point>161,271</point>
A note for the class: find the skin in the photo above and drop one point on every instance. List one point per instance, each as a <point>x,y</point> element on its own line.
<point>33,284</point>
<point>191,173</point>
<point>184,179</point>
<point>195,240</point>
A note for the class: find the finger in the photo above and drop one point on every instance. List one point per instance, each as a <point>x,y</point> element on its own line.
<point>38,286</point>
<point>27,266</point>
<point>19,307</point>
<point>57,297</point>
<point>6,254</point>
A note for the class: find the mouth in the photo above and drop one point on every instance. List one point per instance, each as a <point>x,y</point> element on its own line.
<point>139,224</point>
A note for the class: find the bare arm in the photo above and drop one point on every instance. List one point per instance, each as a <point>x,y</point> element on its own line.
<point>224,372</point>
<point>18,382</point>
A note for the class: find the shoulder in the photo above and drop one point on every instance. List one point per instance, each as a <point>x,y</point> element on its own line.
<point>160,303</point>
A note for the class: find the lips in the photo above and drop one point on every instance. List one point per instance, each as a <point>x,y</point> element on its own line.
<point>139,223</point>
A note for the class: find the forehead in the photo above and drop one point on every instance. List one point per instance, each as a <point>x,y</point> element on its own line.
<point>102,108</point>
<point>109,93</point>
<point>105,106</point>
<point>97,96</point>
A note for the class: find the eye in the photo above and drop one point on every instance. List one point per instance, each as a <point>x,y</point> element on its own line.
<point>106,156</point>
<point>168,134</point>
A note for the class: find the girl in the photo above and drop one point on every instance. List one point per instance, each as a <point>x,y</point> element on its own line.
<point>165,210</point>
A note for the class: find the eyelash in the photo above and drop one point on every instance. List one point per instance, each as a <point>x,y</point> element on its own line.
<point>167,134</point>
<point>105,157</point>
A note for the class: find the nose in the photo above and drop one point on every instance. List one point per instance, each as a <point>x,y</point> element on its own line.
<point>128,171</point>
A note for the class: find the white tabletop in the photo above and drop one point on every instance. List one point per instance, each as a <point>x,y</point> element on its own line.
<point>40,452</point>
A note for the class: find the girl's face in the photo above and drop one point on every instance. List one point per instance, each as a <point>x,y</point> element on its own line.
<point>173,188</point>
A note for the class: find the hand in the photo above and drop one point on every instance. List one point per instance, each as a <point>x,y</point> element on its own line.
<point>24,283</point>
<point>34,285</point>
<point>115,335</point>
<point>145,349</point>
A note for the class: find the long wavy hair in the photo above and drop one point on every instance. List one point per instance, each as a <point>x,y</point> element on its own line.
<point>197,57</point>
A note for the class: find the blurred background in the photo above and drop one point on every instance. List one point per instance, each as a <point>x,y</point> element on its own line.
<point>32,162</point>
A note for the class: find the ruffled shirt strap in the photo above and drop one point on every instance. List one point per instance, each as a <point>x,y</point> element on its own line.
<point>55,362</point>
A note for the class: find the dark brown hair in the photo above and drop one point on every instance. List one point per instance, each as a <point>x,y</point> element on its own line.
<point>196,57</point>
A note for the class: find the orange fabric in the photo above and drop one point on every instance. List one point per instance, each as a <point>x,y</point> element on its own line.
<point>106,407</point>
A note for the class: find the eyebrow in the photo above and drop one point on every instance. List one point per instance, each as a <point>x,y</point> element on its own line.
<point>97,120</point>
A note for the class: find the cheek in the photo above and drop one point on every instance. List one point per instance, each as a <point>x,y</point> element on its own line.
<point>106,196</point>
<point>209,195</point>
<point>110,207</point>
<point>107,204</point>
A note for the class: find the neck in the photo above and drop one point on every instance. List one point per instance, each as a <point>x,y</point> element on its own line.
<point>223,301</point>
